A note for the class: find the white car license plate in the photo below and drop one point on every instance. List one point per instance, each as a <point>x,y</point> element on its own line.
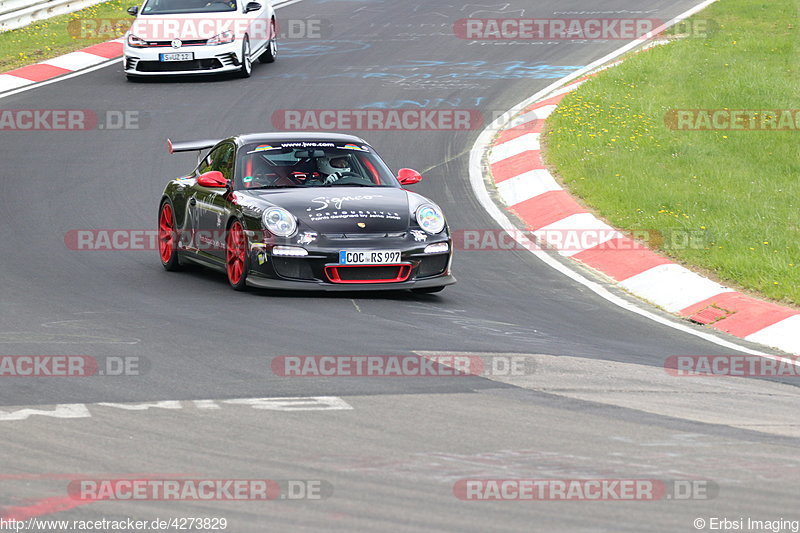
<point>368,257</point>
<point>176,56</point>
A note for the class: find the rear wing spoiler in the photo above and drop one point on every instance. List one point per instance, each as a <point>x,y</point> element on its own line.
<point>190,146</point>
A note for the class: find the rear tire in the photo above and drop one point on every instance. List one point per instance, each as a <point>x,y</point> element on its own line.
<point>428,290</point>
<point>247,64</point>
<point>168,237</point>
<point>237,258</point>
<point>271,53</point>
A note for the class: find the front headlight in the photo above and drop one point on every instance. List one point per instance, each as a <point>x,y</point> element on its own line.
<point>430,219</point>
<point>223,38</point>
<point>279,222</point>
<point>136,42</point>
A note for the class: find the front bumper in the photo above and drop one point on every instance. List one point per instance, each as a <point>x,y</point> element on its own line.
<point>267,283</point>
<point>321,270</point>
<point>207,60</point>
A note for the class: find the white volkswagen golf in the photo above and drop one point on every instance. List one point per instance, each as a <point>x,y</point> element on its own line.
<point>180,37</point>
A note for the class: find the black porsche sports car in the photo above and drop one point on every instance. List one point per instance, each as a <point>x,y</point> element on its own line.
<point>303,211</point>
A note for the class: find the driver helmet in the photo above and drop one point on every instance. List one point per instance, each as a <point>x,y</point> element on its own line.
<point>332,164</point>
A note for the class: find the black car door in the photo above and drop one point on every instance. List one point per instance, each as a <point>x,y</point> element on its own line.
<point>210,205</point>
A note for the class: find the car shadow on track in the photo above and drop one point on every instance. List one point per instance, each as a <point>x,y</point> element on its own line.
<point>218,279</point>
<point>194,78</point>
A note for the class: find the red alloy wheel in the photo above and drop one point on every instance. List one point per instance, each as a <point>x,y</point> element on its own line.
<point>235,254</point>
<point>166,233</point>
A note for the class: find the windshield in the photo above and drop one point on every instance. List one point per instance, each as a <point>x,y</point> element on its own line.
<point>164,7</point>
<point>310,164</point>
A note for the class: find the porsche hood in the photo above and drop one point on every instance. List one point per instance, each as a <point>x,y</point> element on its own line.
<point>344,210</point>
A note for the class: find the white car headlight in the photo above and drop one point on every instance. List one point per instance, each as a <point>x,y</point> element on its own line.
<point>279,222</point>
<point>136,42</point>
<point>223,38</point>
<point>430,219</point>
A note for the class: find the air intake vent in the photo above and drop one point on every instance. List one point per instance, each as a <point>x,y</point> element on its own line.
<point>368,274</point>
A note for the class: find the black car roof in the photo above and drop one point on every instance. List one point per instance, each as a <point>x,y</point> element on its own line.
<point>290,136</point>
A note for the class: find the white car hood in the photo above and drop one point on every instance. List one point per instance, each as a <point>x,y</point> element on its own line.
<point>188,26</point>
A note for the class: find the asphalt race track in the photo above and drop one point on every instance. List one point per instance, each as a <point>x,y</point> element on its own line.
<point>600,404</point>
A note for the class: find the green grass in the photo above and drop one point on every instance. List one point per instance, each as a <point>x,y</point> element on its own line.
<point>739,189</point>
<point>56,36</point>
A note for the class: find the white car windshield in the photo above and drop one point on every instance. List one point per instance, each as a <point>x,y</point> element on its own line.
<point>165,7</point>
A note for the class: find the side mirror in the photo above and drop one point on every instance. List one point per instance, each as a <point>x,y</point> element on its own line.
<point>213,180</point>
<point>407,176</point>
<point>252,6</point>
<point>133,11</point>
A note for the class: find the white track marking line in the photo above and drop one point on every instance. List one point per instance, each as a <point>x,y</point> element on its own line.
<point>82,410</point>
<point>317,403</point>
<point>74,410</point>
<point>571,87</point>
<point>279,5</point>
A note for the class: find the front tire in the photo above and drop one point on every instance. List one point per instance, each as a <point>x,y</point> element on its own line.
<point>247,64</point>
<point>237,259</point>
<point>271,53</point>
<point>168,237</point>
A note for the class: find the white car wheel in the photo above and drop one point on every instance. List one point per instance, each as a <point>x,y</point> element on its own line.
<point>271,53</point>
<point>247,63</point>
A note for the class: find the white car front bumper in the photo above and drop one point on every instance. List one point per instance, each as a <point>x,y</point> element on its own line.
<point>207,59</point>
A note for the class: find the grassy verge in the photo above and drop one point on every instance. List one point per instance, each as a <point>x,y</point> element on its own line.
<point>63,34</point>
<point>739,190</point>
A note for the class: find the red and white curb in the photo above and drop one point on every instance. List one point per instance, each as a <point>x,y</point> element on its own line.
<point>61,65</point>
<point>529,191</point>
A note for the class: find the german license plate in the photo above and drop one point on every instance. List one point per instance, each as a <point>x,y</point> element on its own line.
<point>176,56</point>
<point>368,257</point>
